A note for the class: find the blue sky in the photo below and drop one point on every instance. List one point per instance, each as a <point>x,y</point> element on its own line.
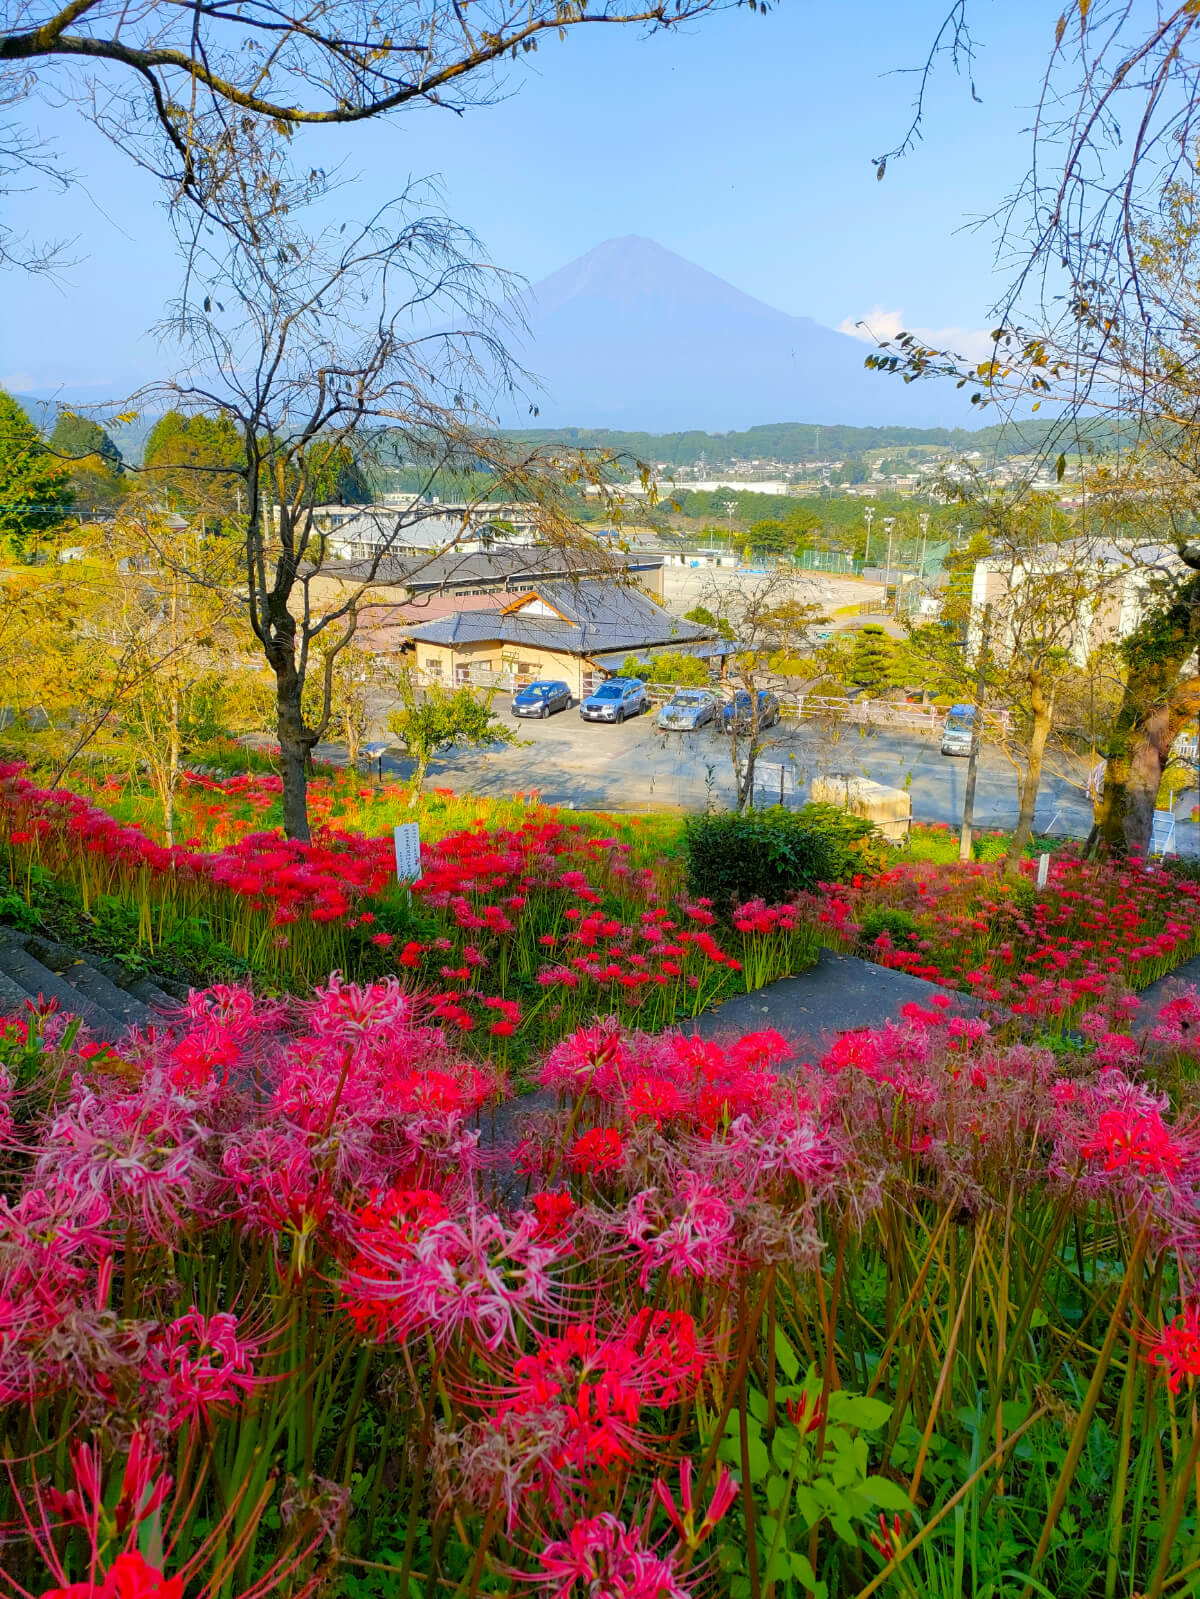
<point>744,144</point>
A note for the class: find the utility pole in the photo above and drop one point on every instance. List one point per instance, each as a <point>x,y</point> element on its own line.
<point>923,520</point>
<point>869,516</point>
<point>964,837</point>
<point>889,525</point>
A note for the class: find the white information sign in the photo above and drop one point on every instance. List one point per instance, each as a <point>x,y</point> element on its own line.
<point>1162,834</point>
<point>408,852</point>
<point>1043,871</point>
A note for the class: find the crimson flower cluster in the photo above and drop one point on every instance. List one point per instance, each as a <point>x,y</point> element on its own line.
<point>1039,956</point>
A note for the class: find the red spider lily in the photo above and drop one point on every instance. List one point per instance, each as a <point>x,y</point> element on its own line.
<point>801,1416</point>
<point>1177,1348</point>
<point>199,1362</point>
<point>598,1150</point>
<point>144,1490</point>
<point>596,1386</point>
<point>446,1276</point>
<point>890,1537</point>
<point>688,1232</point>
<point>683,1516</point>
<point>554,1211</point>
<point>1127,1138</point>
<point>129,1577</point>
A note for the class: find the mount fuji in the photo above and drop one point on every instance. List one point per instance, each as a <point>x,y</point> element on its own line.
<point>631,335</point>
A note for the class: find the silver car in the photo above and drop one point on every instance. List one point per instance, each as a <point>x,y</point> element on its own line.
<point>615,700</point>
<point>687,710</point>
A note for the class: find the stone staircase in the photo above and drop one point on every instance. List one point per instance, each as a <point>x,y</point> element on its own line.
<point>107,998</point>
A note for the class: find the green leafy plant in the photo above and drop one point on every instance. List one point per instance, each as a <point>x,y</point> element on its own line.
<point>900,926</point>
<point>433,719</point>
<point>773,854</point>
<point>804,1456</point>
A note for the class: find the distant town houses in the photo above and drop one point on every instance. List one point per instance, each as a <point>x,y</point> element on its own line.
<point>415,527</point>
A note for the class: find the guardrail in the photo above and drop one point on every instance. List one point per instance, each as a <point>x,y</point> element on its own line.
<point>887,713</point>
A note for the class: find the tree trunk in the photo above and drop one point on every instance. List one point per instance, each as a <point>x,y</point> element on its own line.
<point>1134,772</point>
<point>295,747</point>
<point>420,769</point>
<point>1155,702</point>
<point>744,781</point>
<point>1042,705</point>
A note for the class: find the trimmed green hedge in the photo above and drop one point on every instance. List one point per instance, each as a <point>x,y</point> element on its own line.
<point>774,854</point>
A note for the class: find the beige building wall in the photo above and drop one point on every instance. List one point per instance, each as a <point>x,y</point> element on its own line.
<point>449,662</point>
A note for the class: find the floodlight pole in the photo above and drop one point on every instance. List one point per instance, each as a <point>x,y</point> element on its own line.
<point>964,837</point>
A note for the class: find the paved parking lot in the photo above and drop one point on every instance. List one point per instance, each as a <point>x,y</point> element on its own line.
<point>636,767</point>
<point>724,589</point>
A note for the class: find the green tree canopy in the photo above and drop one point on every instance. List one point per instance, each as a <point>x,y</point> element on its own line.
<point>770,537</point>
<point>193,459</point>
<point>34,490</point>
<point>703,617</point>
<point>430,720</point>
<point>95,467</point>
<point>672,667</point>
<point>872,663</point>
<point>78,437</point>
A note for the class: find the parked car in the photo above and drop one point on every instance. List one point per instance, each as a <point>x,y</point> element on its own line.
<point>541,699</point>
<point>615,700</point>
<point>958,731</point>
<point>737,711</point>
<point>688,710</point>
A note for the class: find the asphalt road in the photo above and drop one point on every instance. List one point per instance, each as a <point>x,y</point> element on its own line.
<point>637,767</point>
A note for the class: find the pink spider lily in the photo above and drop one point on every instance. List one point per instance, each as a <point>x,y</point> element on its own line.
<point>602,1558</point>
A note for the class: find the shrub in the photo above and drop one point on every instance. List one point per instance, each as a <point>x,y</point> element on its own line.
<point>771,854</point>
<point>671,668</point>
<point>858,844</point>
<point>899,925</point>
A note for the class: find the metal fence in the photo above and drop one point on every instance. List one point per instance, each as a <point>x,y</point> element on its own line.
<point>831,708</point>
<point>836,562</point>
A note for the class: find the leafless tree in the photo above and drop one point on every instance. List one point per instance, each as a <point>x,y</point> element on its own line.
<point>377,343</point>
<point>772,626</point>
<point>169,80</point>
<point>1101,326</point>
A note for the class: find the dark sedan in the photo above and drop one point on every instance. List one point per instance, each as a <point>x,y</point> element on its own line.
<point>737,712</point>
<point>541,699</point>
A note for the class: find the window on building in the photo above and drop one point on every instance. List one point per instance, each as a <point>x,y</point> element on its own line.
<point>528,666</point>
<point>433,666</point>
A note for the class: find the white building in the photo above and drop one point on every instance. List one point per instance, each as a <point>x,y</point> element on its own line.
<point>1124,584</point>
<point>416,528</point>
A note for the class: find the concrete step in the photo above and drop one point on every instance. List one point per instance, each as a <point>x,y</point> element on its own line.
<point>29,974</point>
<point>118,1002</point>
<point>151,994</point>
<point>148,994</point>
<point>12,997</point>
<point>156,999</point>
<point>101,987</point>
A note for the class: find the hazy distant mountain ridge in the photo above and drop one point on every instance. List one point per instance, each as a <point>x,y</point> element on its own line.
<point>633,336</point>
<point>799,443</point>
